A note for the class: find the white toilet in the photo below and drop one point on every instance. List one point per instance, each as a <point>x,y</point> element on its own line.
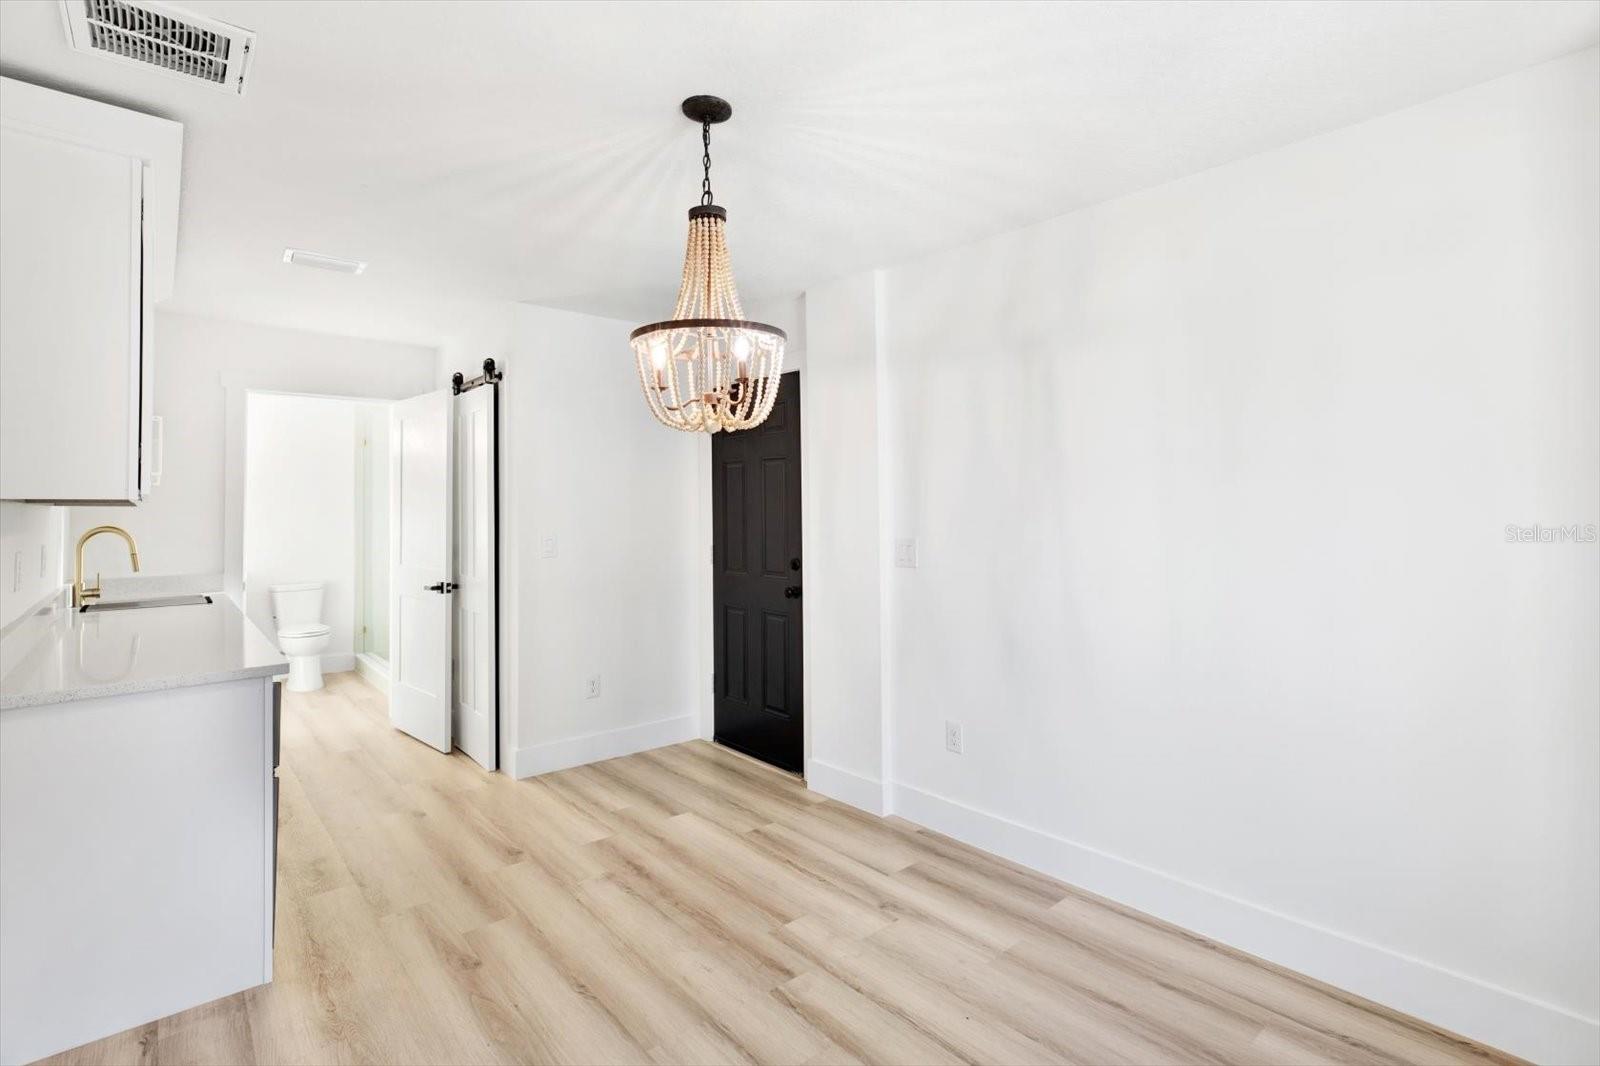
<point>297,615</point>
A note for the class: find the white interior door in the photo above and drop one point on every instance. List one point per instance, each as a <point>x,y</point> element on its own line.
<point>475,632</point>
<point>420,534</point>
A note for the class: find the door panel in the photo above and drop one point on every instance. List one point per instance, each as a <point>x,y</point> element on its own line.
<point>774,651</point>
<point>733,524</point>
<point>420,537</point>
<point>757,585</point>
<point>775,545</point>
<point>475,694</point>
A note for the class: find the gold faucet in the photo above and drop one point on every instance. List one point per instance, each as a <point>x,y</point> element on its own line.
<point>82,594</point>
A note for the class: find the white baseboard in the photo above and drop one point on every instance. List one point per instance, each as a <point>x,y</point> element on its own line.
<point>1495,1016</point>
<point>864,793</point>
<point>375,675</point>
<point>595,747</point>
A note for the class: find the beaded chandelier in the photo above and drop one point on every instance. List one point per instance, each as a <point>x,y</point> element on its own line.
<point>708,368</point>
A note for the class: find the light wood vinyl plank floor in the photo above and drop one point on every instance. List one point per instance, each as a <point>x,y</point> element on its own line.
<point>688,905</point>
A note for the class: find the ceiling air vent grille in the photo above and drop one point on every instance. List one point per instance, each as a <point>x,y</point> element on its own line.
<point>158,35</point>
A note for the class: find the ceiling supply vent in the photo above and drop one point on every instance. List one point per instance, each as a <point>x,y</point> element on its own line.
<point>300,257</point>
<point>157,35</point>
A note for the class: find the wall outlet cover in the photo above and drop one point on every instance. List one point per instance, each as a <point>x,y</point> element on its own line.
<point>952,737</point>
<point>905,553</point>
<point>547,547</point>
<point>591,688</point>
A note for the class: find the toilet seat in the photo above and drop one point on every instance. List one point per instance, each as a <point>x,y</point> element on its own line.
<point>310,629</point>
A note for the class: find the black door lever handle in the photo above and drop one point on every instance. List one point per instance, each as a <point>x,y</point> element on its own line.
<point>441,586</point>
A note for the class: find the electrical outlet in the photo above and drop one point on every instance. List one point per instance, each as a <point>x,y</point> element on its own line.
<point>591,688</point>
<point>905,554</point>
<point>952,737</point>
<point>547,547</point>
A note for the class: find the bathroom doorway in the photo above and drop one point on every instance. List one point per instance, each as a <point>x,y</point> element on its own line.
<point>318,527</point>
<point>316,513</point>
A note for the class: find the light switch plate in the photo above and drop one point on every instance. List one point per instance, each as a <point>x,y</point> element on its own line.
<point>905,554</point>
<point>591,688</point>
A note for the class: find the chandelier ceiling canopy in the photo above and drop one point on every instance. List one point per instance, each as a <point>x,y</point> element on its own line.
<point>708,368</point>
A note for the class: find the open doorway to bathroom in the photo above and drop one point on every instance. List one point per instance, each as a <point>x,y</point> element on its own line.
<point>315,531</point>
<point>320,525</point>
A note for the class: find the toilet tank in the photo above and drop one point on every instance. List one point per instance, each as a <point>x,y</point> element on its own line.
<point>296,604</point>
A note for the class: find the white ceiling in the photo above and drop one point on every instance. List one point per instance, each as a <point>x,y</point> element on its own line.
<point>520,151</point>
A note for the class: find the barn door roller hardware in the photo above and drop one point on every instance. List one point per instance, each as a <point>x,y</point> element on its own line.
<point>460,384</point>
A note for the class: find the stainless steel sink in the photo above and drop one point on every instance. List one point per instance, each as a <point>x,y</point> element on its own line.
<point>159,601</point>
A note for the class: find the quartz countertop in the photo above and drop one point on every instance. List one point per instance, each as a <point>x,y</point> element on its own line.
<point>59,654</point>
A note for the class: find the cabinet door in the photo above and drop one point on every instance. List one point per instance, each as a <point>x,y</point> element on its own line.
<point>71,320</point>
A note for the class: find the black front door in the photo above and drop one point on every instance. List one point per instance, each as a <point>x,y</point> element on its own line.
<point>755,506</point>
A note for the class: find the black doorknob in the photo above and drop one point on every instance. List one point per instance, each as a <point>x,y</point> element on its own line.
<point>794,564</point>
<point>792,592</point>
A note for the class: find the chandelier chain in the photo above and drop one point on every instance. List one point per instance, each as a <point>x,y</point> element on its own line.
<point>705,161</point>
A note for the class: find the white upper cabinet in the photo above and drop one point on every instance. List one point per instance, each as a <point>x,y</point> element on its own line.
<point>88,228</point>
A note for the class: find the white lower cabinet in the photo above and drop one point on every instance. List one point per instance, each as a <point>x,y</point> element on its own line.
<point>137,859</point>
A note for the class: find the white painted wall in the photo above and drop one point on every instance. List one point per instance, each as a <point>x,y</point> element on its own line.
<point>789,315</point>
<point>616,492</point>
<point>845,543</point>
<point>1210,486</point>
<point>192,522</point>
<point>300,508</point>
<point>31,550</point>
